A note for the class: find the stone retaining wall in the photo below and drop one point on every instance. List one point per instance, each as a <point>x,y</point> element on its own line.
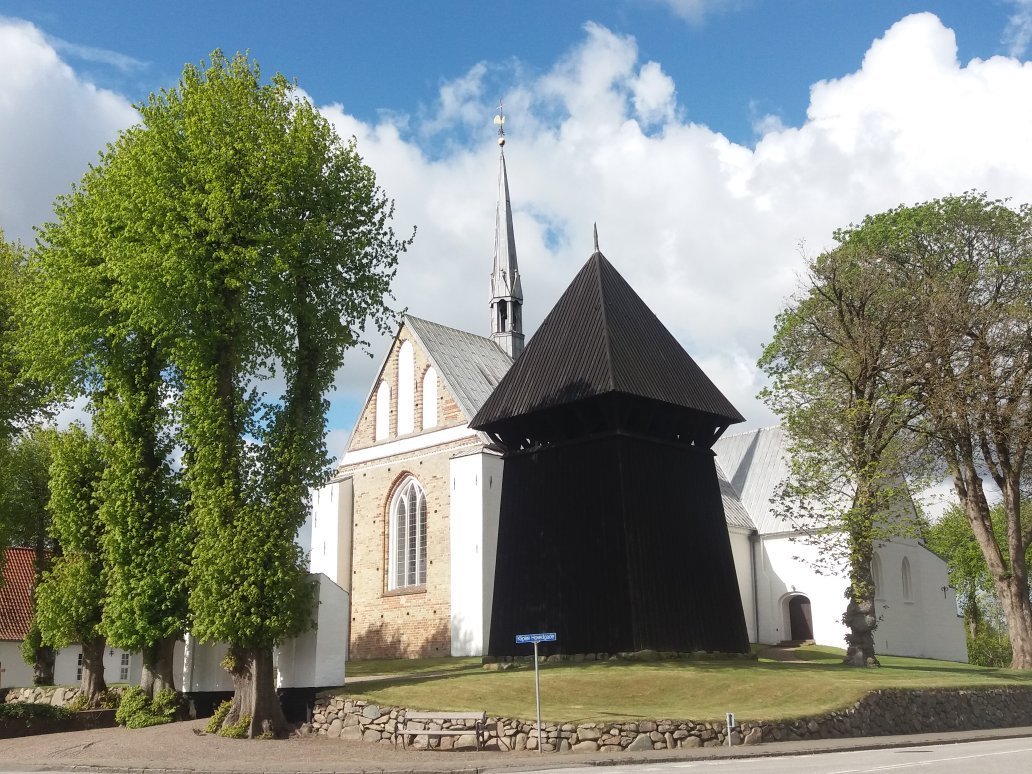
<point>59,696</point>
<point>894,711</point>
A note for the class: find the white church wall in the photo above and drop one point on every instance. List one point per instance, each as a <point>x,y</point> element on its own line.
<point>476,498</point>
<point>741,552</point>
<point>329,529</point>
<point>786,569</point>
<point>492,494</point>
<point>466,524</point>
<point>923,623</point>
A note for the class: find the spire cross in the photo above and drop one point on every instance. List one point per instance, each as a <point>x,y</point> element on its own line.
<point>500,123</point>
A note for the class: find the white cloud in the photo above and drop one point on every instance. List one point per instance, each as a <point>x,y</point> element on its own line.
<point>706,230</point>
<point>695,11</point>
<point>52,124</point>
<point>1018,33</point>
<point>119,61</point>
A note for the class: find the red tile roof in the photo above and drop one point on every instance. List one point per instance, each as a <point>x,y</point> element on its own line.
<point>16,593</point>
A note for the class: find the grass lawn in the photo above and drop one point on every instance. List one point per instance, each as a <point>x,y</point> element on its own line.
<point>676,690</point>
<point>411,666</point>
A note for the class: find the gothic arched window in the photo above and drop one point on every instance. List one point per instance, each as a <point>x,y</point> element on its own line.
<point>876,577</point>
<point>407,552</point>
<point>383,412</point>
<point>406,389</point>
<point>908,591</point>
<point>429,399</point>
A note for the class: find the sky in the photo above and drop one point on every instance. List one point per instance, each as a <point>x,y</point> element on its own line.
<point>716,143</point>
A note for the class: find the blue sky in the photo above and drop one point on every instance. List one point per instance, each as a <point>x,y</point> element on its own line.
<point>732,60</point>
<point>715,142</point>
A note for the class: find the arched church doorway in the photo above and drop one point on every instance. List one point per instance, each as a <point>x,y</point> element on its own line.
<point>800,620</point>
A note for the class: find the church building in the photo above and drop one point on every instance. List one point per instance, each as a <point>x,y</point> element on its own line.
<point>449,512</point>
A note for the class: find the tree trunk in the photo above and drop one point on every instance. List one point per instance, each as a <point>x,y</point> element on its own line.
<point>254,693</point>
<point>92,684</point>
<point>1018,610</point>
<point>158,673</point>
<point>43,666</point>
<point>861,619</point>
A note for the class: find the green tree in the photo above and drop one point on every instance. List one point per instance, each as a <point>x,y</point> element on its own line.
<point>24,501</point>
<point>20,397</point>
<point>252,244</point>
<point>953,539</point>
<point>965,262</point>
<point>69,600</point>
<point>85,342</point>
<point>837,387</point>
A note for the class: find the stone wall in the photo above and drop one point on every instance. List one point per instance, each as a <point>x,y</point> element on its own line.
<point>59,695</point>
<point>895,711</point>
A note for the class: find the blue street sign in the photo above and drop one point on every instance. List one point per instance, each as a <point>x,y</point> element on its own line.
<point>523,639</point>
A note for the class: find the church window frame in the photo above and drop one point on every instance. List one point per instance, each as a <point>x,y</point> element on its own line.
<point>406,538</point>
<point>430,415</point>
<point>908,581</point>
<point>382,424</point>
<point>876,576</point>
<point>406,389</point>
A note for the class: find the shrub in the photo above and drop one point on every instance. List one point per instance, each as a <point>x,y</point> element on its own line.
<point>135,711</point>
<point>990,647</point>
<point>28,711</point>
<point>238,730</point>
<point>215,721</point>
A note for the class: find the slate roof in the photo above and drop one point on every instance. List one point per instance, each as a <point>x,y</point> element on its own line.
<point>470,365</point>
<point>734,512</point>
<point>601,338</point>
<point>755,463</point>
<point>16,593</point>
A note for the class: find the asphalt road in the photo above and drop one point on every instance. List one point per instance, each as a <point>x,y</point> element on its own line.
<point>1003,755</point>
<point>184,747</point>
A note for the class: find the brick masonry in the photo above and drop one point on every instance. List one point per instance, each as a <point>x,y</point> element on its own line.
<point>448,412</point>
<point>412,622</point>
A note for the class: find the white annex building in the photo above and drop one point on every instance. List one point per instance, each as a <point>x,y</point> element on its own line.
<point>408,524</point>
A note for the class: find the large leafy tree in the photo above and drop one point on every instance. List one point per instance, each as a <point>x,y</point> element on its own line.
<point>838,389</point>
<point>962,355</point>
<point>24,506</point>
<point>70,598</point>
<point>85,343</point>
<point>251,244</point>
<point>968,263</point>
<point>21,398</point>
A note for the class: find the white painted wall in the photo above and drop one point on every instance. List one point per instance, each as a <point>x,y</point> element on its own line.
<point>785,568</point>
<point>66,666</point>
<point>316,659</point>
<point>16,674</point>
<point>742,555</point>
<point>476,481</point>
<point>926,625</point>
<point>329,530</point>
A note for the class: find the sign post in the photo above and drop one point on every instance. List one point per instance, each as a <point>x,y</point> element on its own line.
<point>523,639</point>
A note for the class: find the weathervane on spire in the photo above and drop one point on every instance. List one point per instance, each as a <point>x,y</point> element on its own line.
<point>500,123</point>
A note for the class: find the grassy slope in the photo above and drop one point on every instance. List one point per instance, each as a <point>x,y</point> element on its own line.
<point>697,690</point>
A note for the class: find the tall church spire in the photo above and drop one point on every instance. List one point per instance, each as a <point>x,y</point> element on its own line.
<point>506,289</point>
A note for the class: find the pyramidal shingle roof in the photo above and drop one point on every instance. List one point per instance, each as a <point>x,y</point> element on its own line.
<point>601,338</point>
